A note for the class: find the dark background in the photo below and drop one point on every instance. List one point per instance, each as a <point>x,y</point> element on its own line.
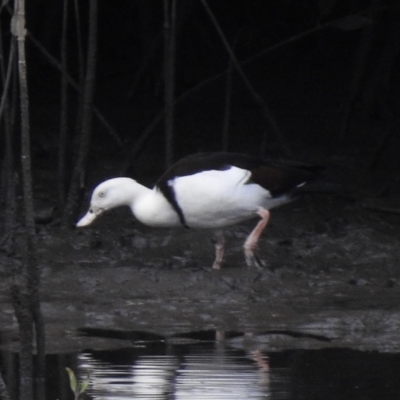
<point>332,89</point>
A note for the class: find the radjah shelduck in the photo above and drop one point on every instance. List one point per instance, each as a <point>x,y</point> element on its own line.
<point>208,191</point>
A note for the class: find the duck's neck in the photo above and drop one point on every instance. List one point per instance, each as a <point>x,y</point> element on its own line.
<point>130,192</point>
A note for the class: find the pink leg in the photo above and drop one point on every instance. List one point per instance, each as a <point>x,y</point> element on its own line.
<point>219,251</point>
<point>251,242</point>
<point>261,360</point>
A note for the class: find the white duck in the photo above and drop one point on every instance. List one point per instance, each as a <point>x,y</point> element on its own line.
<point>208,190</point>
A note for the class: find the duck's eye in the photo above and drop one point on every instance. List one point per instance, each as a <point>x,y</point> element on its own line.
<point>102,194</point>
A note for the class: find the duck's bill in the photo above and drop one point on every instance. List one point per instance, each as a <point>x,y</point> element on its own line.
<point>87,219</point>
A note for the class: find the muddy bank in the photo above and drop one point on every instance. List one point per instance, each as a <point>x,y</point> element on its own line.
<point>332,269</point>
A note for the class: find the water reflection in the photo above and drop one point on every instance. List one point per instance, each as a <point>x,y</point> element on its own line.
<point>195,371</point>
<point>201,366</point>
<point>146,377</point>
<point>222,376</point>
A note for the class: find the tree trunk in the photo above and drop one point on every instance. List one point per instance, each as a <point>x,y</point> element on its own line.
<point>7,185</point>
<point>78,174</point>
<point>26,290</point>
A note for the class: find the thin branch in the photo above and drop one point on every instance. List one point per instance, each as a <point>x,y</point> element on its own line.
<point>79,40</point>
<point>228,101</point>
<point>137,147</point>
<point>53,61</point>
<point>7,81</point>
<point>169,77</point>
<point>62,142</point>
<point>256,96</point>
<point>359,70</point>
<point>381,208</point>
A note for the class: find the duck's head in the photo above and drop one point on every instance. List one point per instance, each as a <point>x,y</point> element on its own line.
<point>109,194</point>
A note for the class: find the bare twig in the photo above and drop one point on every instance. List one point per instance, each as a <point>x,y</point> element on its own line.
<point>256,96</point>
<point>381,208</point>
<point>227,112</point>
<point>79,40</point>
<point>62,142</point>
<point>144,64</point>
<point>228,101</point>
<point>169,77</point>
<point>359,70</point>
<point>135,150</point>
<point>81,66</point>
<point>7,80</point>
<point>53,61</point>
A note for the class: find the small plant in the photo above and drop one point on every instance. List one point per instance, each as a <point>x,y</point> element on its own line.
<point>77,388</point>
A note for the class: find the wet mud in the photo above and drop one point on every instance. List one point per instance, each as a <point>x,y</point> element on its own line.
<point>332,270</point>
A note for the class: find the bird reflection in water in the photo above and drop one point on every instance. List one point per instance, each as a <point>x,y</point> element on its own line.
<point>197,370</point>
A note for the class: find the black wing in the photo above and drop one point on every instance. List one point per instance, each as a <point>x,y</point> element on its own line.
<point>281,176</point>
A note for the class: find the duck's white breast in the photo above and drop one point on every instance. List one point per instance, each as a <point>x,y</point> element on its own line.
<point>153,209</point>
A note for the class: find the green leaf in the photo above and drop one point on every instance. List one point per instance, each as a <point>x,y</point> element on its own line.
<point>84,385</point>
<point>72,379</point>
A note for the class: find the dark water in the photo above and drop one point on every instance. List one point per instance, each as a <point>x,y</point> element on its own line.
<point>189,368</point>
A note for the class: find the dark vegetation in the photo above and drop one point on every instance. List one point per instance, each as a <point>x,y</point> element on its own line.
<point>94,89</point>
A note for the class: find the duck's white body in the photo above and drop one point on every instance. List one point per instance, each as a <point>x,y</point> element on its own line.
<point>209,198</point>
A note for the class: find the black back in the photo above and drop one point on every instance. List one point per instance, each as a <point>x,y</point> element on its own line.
<point>277,176</point>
